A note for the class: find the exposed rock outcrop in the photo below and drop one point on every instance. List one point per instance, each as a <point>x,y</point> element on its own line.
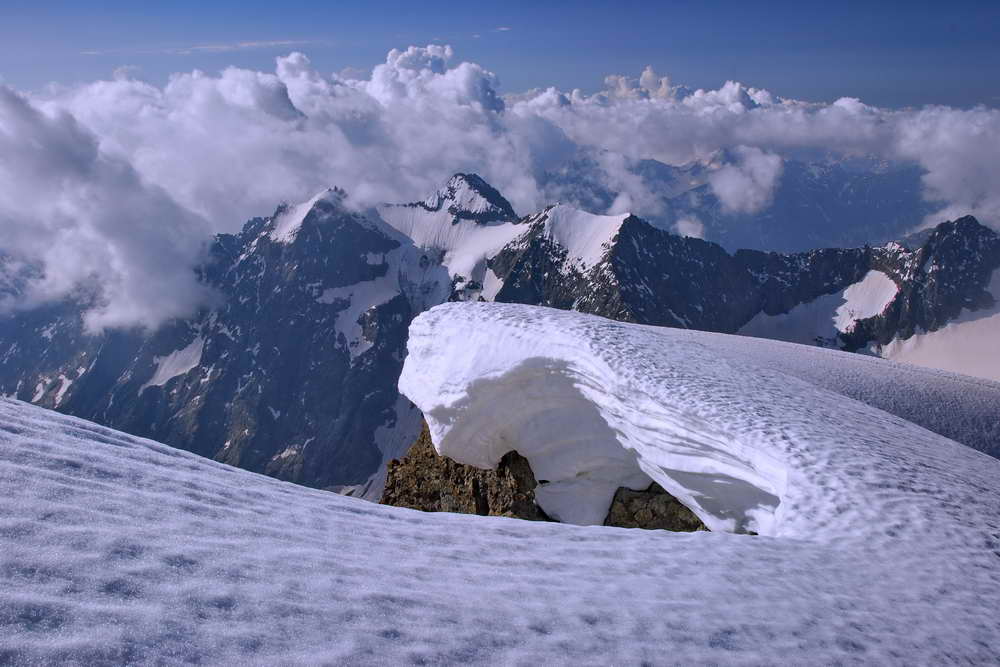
<point>425,480</point>
<point>651,509</point>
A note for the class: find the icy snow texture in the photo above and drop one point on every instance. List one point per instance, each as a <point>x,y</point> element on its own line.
<point>967,344</point>
<point>752,435</point>
<point>820,320</point>
<point>115,549</point>
<point>176,363</point>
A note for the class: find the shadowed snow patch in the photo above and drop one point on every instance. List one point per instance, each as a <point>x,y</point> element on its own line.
<point>176,363</point>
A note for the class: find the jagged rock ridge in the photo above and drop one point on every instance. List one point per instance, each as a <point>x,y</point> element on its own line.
<point>294,374</point>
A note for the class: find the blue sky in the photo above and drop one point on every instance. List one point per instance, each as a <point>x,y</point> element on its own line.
<point>888,53</point>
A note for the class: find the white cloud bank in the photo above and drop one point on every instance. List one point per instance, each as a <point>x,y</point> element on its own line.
<point>747,185</point>
<point>83,218</point>
<point>120,182</point>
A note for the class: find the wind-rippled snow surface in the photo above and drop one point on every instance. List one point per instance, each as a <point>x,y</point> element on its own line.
<point>115,549</point>
<point>752,435</point>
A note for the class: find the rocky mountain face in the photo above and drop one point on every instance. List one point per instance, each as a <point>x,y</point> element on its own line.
<point>291,375</point>
<point>293,371</point>
<point>950,272</point>
<point>650,276</point>
<point>646,275</point>
<point>424,480</point>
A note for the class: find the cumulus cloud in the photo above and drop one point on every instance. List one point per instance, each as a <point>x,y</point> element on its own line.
<point>690,226</point>
<point>747,185</point>
<point>122,165</point>
<point>72,217</point>
<point>648,85</point>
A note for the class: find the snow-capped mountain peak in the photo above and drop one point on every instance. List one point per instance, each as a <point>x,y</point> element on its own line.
<point>461,225</point>
<point>287,220</point>
<point>469,197</point>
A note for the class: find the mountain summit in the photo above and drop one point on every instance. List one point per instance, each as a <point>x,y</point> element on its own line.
<point>469,197</point>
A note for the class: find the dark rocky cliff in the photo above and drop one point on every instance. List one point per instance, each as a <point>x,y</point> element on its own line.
<point>424,480</point>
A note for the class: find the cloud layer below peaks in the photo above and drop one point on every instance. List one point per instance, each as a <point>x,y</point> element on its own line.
<point>118,184</point>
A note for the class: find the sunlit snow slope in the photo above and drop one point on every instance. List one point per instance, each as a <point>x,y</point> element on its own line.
<point>115,549</point>
<point>752,435</point>
<point>968,344</point>
<point>820,320</point>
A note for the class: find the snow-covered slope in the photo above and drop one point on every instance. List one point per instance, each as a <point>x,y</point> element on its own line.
<point>821,320</point>
<point>464,224</point>
<point>288,220</point>
<point>968,344</point>
<point>176,363</point>
<point>585,237</point>
<point>115,549</point>
<point>752,435</point>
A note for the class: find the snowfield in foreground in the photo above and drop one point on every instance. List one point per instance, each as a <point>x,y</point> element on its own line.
<point>883,538</point>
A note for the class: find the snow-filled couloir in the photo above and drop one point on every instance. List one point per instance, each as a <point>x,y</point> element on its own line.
<point>752,435</point>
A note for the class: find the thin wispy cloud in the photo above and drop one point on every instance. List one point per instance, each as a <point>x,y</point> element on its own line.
<point>239,46</point>
<point>221,47</point>
<point>502,28</point>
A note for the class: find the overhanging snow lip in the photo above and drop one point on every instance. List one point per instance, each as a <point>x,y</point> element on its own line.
<point>843,465</point>
<point>584,458</point>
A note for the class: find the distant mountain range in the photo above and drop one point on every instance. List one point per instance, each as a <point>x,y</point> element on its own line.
<point>294,373</point>
<point>817,202</point>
